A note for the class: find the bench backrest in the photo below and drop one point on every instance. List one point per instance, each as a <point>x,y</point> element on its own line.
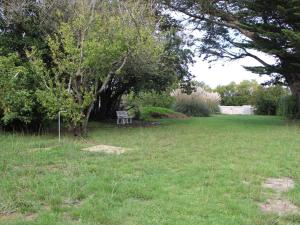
<point>122,114</point>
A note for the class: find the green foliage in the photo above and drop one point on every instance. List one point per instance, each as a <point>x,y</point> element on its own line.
<point>287,107</point>
<point>237,94</point>
<point>25,23</point>
<point>88,53</point>
<point>73,53</point>
<point>18,106</point>
<point>17,93</point>
<point>55,100</point>
<point>151,98</point>
<point>135,103</point>
<point>60,91</point>
<point>150,113</point>
<point>266,99</point>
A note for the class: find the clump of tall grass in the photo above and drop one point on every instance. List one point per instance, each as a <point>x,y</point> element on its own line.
<point>199,103</point>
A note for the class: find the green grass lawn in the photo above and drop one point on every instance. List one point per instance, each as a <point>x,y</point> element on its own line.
<point>196,171</point>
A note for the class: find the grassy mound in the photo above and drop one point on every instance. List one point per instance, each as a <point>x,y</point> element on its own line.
<point>150,113</point>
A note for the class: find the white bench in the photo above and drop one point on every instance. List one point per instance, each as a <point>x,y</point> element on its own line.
<point>123,118</point>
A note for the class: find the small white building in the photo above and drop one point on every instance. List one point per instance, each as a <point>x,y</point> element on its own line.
<point>237,110</point>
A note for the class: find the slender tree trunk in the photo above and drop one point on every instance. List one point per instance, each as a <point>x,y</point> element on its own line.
<point>86,121</point>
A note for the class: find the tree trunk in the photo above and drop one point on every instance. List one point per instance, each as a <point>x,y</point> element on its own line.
<point>295,88</point>
<point>77,130</point>
<point>80,129</point>
<point>86,121</point>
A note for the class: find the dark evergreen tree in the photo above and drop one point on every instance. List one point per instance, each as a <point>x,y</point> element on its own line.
<point>234,28</point>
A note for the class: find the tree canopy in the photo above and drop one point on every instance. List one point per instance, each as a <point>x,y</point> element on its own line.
<point>81,56</point>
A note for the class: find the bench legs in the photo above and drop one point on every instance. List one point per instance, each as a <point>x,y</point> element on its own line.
<point>124,121</point>
<point>121,121</point>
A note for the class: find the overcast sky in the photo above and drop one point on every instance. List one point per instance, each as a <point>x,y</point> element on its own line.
<point>220,73</point>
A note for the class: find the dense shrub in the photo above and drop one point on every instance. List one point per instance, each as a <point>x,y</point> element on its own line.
<point>266,99</point>
<point>18,101</point>
<point>149,113</point>
<point>239,94</point>
<point>287,107</point>
<point>199,103</point>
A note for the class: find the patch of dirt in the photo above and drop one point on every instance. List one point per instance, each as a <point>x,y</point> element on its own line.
<point>15,215</point>
<point>9,216</point>
<point>279,206</point>
<point>279,184</point>
<point>52,167</point>
<point>246,182</point>
<point>31,217</point>
<point>105,149</point>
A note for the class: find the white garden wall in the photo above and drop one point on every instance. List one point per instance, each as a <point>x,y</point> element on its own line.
<point>237,110</point>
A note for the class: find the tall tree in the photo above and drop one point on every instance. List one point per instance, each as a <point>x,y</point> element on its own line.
<point>89,51</point>
<point>234,28</point>
<point>76,54</point>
